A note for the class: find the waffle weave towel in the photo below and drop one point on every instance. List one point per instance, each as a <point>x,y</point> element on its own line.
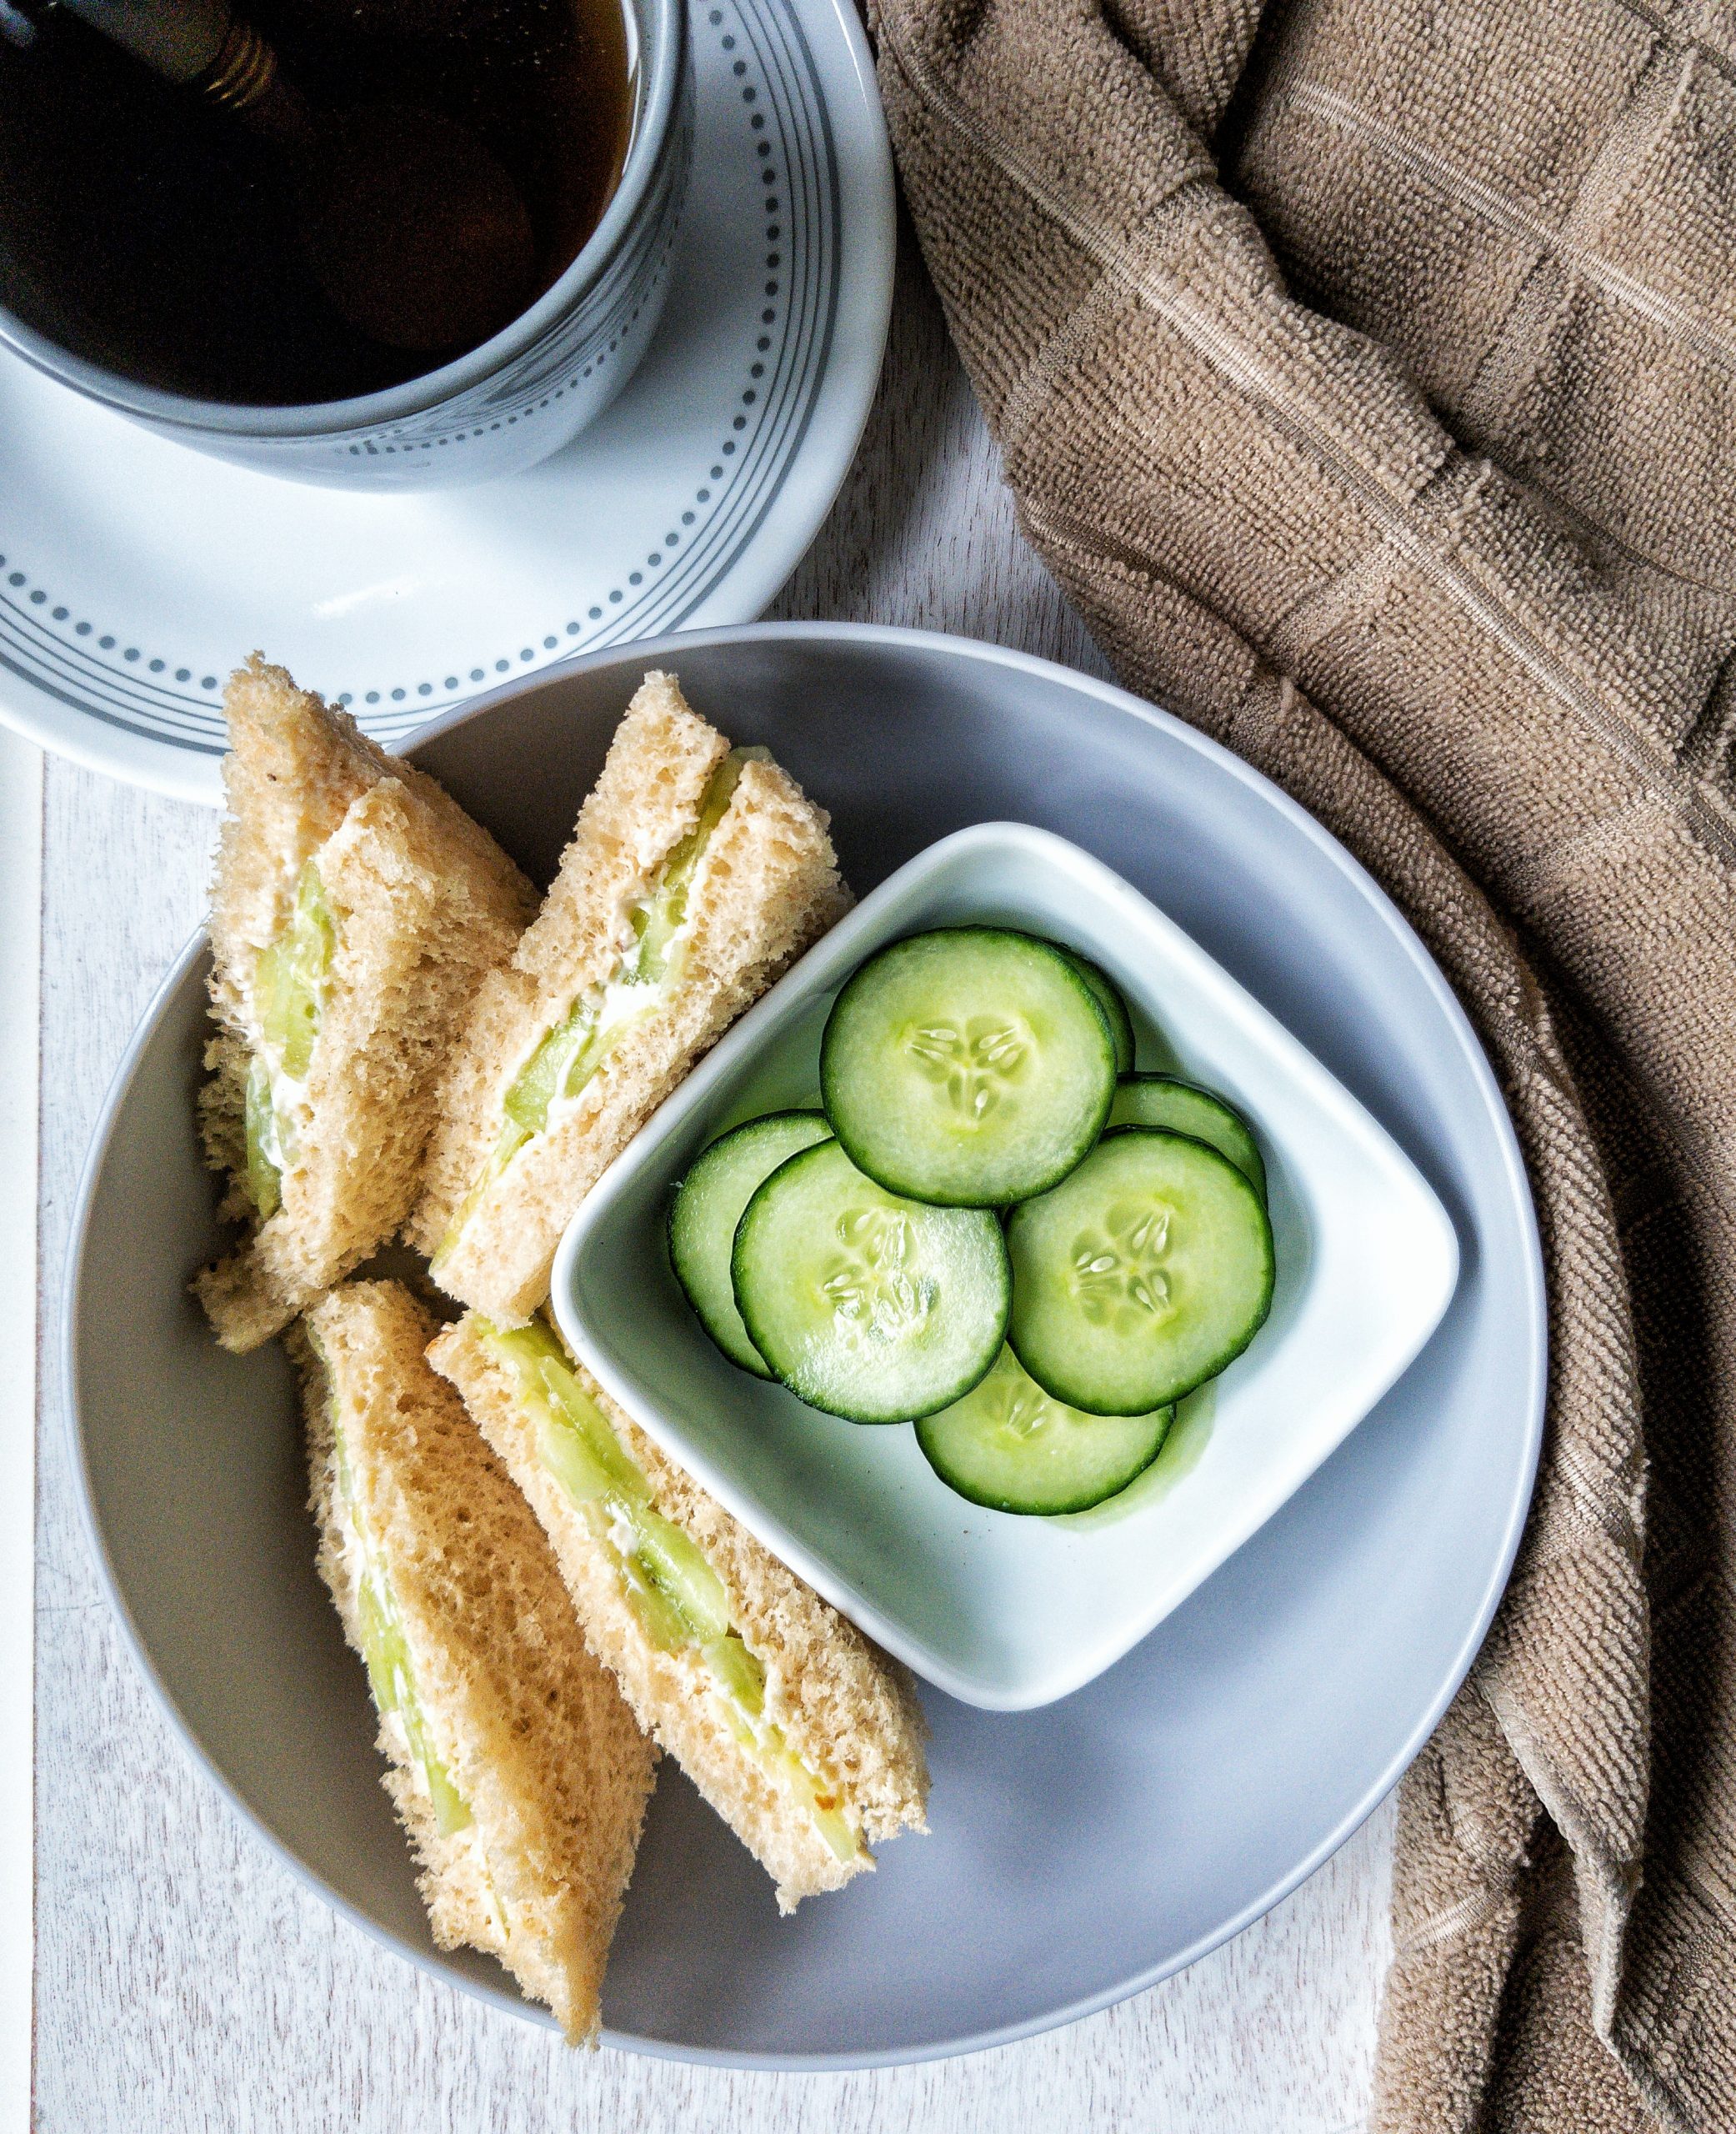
<point>1366,372</point>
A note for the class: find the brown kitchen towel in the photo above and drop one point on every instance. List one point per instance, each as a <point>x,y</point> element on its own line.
<point>1364,370</point>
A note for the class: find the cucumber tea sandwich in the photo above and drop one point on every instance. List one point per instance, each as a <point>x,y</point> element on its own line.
<point>695,873</point>
<point>512,1760</point>
<point>802,1735</point>
<point>355,907</point>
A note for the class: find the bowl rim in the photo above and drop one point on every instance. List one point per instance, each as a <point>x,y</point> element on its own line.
<point>887,636</point>
<point>658,28</point>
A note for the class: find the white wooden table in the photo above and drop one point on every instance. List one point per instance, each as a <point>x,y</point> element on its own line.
<point>183,1981</point>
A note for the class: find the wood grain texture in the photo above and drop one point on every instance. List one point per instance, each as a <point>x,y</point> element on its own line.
<point>20,852</point>
<point>186,1984</point>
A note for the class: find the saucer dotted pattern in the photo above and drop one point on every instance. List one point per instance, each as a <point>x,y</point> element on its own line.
<point>763,123</point>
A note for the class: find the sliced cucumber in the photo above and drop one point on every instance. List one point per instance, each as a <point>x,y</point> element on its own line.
<point>385,1648</point>
<point>1009,1445</point>
<point>1140,1275</point>
<point>575,1047</point>
<point>707,1206</point>
<point>1182,1107</point>
<point>1109,999</point>
<point>289,981</point>
<point>681,1602</point>
<point>289,996</point>
<point>971,1067</point>
<point>864,1303</point>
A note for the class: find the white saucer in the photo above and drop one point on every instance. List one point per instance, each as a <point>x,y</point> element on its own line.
<point>135,573</point>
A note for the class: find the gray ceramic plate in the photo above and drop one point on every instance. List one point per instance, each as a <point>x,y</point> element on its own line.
<point>1079,1852</point>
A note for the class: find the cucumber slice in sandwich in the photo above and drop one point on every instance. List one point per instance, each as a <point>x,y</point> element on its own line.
<point>695,873</point>
<point>707,1206</point>
<point>863,1303</point>
<point>972,1066</point>
<point>354,909</point>
<point>1143,1274</point>
<point>289,996</point>
<point>567,1055</point>
<point>516,1766</point>
<point>803,1737</point>
<point>1010,1445</point>
<point>1182,1107</point>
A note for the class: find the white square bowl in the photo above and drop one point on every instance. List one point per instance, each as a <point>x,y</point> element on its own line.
<point>1005,1612</point>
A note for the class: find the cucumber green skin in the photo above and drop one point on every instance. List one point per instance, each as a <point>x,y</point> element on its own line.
<point>836,1077</point>
<point>1050,1340</point>
<point>1180,1107</point>
<point>1107,997</point>
<point>946,1439</point>
<point>691,1245</point>
<point>754,1227</point>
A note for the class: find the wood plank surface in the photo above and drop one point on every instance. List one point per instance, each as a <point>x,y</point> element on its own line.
<point>185,1983</point>
<point>20,854</point>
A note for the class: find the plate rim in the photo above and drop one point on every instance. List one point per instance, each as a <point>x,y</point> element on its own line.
<point>807,487</point>
<point>1515,1178</point>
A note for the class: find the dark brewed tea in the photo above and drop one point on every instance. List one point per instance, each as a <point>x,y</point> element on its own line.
<point>152,234</point>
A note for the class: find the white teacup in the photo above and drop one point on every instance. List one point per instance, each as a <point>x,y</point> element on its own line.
<point>512,401</point>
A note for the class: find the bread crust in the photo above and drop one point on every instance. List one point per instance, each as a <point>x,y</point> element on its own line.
<point>767,886</point>
<point>644,802</point>
<point>533,1731</point>
<point>850,1710</point>
<point>426,904</point>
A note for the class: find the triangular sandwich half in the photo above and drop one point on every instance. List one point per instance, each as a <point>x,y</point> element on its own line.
<point>803,1736</point>
<point>515,1765</point>
<point>696,874</point>
<point>355,907</point>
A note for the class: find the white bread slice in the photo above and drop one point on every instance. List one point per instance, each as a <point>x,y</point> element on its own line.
<point>426,902</point>
<point>533,1732</point>
<point>844,1706</point>
<point>767,886</point>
